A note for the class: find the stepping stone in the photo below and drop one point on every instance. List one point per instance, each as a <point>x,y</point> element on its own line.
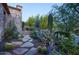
<point>26,38</point>
<point>31,40</point>
<point>32,51</point>
<point>17,43</point>
<point>20,51</point>
<point>5,53</point>
<point>27,44</point>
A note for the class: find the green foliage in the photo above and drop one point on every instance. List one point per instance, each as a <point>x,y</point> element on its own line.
<point>15,35</point>
<point>23,24</point>
<point>66,44</point>
<point>43,22</point>
<point>37,35</point>
<point>75,50</point>
<point>54,52</point>
<point>31,21</point>
<point>42,50</point>
<point>50,22</point>
<point>66,22</point>
<point>33,34</point>
<point>37,22</point>
<point>8,35</point>
<point>65,18</point>
<point>8,47</point>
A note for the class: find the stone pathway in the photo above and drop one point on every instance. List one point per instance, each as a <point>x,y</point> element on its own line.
<point>20,51</point>
<point>32,51</point>
<point>5,53</point>
<point>27,45</point>
<point>26,48</point>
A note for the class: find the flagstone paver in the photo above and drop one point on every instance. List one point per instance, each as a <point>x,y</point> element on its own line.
<point>27,44</point>
<point>17,43</point>
<point>25,39</point>
<point>25,47</point>
<point>31,40</point>
<point>20,51</point>
<point>5,53</point>
<point>32,51</point>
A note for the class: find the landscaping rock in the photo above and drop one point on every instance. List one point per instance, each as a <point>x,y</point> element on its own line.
<point>5,53</point>
<point>20,51</point>
<point>31,40</point>
<point>27,45</point>
<point>26,38</point>
<point>32,51</point>
<point>17,43</point>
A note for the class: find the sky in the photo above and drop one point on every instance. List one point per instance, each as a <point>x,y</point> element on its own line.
<point>33,9</point>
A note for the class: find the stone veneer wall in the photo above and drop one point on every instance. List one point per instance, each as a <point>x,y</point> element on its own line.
<point>16,14</point>
<point>8,21</point>
<point>1,22</point>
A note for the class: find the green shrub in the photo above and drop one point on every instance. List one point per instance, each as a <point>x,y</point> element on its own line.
<point>39,49</point>
<point>15,35</point>
<point>50,22</point>
<point>33,34</point>
<point>20,36</point>
<point>8,47</point>
<point>36,35</point>
<point>67,46</point>
<point>54,52</point>
<point>8,35</point>
<point>42,50</point>
<point>74,50</point>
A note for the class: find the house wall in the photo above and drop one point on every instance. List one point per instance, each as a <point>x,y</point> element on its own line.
<point>8,21</point>
<point>5,20</point>
<point>16,14</point>
<point>1,22</point>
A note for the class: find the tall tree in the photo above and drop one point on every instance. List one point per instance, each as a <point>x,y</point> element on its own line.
<point>31,21</point>
<point>67,17</point>
<point>37,22</point>
<point>23,24</point>
<point>50,22</point>
<point>43,22</point>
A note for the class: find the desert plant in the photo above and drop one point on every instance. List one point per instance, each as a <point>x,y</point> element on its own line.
<point>8,34</point>
<point>8,47</point>
<point>42,50</point>
<point>54,52</point>
<point>36,35</point>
